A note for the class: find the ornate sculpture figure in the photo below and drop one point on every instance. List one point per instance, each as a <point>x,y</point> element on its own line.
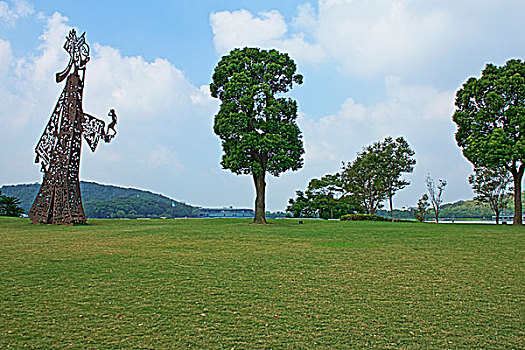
<point>58,150</point>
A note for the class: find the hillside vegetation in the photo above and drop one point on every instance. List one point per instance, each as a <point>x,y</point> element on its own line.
<point>107,201</point>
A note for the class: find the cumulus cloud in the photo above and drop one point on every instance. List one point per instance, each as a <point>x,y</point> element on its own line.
<point>422,114</point>
<point>380,37</point>
<point>10,14</point>
<point>164,120</point>
<point>267,30</point>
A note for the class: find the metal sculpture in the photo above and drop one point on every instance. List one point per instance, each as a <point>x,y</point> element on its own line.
<point>59,200</point>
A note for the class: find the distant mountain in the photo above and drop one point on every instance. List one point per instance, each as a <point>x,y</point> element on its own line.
<point>107,201</point>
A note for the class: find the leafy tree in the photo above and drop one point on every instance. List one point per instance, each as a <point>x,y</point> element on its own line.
<point>490,115</point>
<point>323,199</point>
<point>326,192</point>
<point>258,130</point>
<point>364,180</point>
<point>422,205</point>
<point>435,192</point>
<point>491,186</point>
<point>302,206</point>
<point>395,159</point>
<point>10,206</point>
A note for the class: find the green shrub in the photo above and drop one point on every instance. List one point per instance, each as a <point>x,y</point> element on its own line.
<point>363,217</point>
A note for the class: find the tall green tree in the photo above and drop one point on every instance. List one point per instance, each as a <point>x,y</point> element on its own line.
<point>491,186</point>
<point>490,115</point>
<point>396,158</point>
<point>258,130</point>
<point>364,180</point>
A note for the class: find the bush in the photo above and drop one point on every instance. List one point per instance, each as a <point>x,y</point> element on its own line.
<point>363,217</point>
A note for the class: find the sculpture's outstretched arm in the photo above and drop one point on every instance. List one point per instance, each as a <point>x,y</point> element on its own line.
<point>92,130</point>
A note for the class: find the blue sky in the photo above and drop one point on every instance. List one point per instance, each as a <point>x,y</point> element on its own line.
<point>372,69</point>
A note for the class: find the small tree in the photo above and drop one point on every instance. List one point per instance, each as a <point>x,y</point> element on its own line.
<point>491,124</point>
<point>422,205</point>
<point>435,192</point>
<point>301,206</point>
<point>10,206</point>
<point>364,180</point>
<point>258,130</point>
<point>396,159</point>
<point>326,192</point>
<point>491,186</point>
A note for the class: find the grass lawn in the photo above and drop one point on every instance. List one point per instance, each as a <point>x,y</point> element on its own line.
<point>206,284</point>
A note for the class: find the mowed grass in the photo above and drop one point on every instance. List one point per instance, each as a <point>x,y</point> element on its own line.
<point>162,284</point>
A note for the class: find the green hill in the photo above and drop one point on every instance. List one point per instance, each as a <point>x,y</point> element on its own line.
<point>107,201</point>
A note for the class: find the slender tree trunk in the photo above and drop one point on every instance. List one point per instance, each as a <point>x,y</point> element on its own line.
<point>497,216</point>
<point>260,192</point>
<point>391,205</point>
<point>518,211</point>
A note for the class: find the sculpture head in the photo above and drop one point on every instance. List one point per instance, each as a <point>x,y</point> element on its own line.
<point>78,51</point>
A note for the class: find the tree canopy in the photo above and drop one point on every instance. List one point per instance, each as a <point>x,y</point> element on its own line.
<point>363,179</point>
<point>323,198</point>
<point>258,130</point>
<point>376,173</point>
<point>396,158</point>
<point>490,115</point>
<point>491,186</point>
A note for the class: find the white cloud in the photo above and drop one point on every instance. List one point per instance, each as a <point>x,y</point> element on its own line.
<point>9,15</point>
<point>6,57</point>
<point>306,18</point>
<point>139,89</point>
<point>422,114</point>
<point>378,36</point>
<point>268,30</point>
<point>164,120</point>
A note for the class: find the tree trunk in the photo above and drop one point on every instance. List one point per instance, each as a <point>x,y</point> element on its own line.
<point>497,216</point>
<point>391,205</point>
<point>518,211</point>
<point>260,191</point>
<point>436,211</point>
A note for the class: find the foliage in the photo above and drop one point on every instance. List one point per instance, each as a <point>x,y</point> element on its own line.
<point>396,159</point>
<point>258,130</point>
<point>363,217</point>
<point>301,206</point>
<point>362,184</point>
<point>171,284</point>
<point>10,206</point>
<point>97,196</point>
<point>364,180</point>
<point>422,205</point>
<point>322,199</point>
<point>434,194</point>
<point>490,115</point>
<point>491,186</point>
